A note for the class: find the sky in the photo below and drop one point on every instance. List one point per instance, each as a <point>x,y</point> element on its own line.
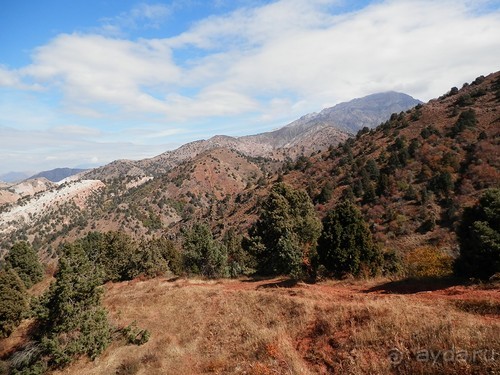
<point>86,82</point>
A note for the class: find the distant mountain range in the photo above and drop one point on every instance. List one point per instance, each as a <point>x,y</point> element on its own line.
<point>58,174</point>
<point>14,176</point>
<point>312,132</point>
<point>368,111</point>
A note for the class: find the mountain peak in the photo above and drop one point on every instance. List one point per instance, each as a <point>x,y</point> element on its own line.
<point>367,111</point>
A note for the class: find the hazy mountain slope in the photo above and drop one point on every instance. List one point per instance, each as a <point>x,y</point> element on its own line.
<point>348,117</point>
<point>368,111</point>
<point>58,174</point>
<point>14,176</point>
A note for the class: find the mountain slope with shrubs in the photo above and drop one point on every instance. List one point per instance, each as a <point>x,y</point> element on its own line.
<point>413,175</point>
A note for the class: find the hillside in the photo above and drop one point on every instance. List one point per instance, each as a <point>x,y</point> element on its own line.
<point>11,193</point>
<point>413,175</point>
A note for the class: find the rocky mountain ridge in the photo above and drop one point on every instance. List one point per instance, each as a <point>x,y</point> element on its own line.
<point>311,133</point>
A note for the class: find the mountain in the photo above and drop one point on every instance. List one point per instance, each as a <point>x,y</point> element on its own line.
<point>311,133</point>
<point>58,174</point>
<point>14,176</point>
<point>348,117</point>
<point>368,111</point>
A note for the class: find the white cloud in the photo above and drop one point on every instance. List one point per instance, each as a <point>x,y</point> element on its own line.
<point>286,49</point>
<point>141,16</point>
<point>8,78</point>
<point>75,130</point>
<point>92,69</point>
<point>59,147</point>
<point>421,47</point>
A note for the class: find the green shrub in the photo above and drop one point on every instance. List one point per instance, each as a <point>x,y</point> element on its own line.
<point>72,322</point>
<point>122,258</point>
<point>467,119</point>
<point>134,335</point>
<point>202,254</point>
<point>239,261</point>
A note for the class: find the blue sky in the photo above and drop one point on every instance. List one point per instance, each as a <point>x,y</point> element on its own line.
<point>88,82</point>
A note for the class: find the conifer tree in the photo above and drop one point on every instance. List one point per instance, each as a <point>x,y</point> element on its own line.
<point>13,301</point>
<point>479,237</point>
<point>24,260</point>
<point>75,323</point>
<point>286,232</point>
<point>202,254</point>
<point>346,245</point>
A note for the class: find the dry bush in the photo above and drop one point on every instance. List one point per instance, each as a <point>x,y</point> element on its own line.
<point>428,261</point>
<point>129,367</point>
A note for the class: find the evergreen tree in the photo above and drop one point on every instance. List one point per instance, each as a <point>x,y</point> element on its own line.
<point>24,260</point>
<point>467,119</point>
<point>479,237</point>
<point>441,183</point>
<point>346,245</point>
<point>383,185</point>
<point>202,254</point>
<point>325,194</point>
<point>163,248</point>
<point>122,259</point>
<point>74,323</point>
<point>238,260</point>
<point>372,169</point>
<point>13,301</point>
<point>286,232</point>
<point>148,260</point>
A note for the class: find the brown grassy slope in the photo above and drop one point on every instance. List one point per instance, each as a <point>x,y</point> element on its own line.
<point>271,327</point>
<point>399,218</point>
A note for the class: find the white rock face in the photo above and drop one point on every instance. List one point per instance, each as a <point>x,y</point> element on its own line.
<point>25,212</point>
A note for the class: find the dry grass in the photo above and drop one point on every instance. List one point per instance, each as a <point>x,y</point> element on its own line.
<point>259,327</point>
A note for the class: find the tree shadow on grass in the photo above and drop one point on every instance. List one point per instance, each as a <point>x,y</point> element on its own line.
<point>412,285</point>
<point>285,283</point>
